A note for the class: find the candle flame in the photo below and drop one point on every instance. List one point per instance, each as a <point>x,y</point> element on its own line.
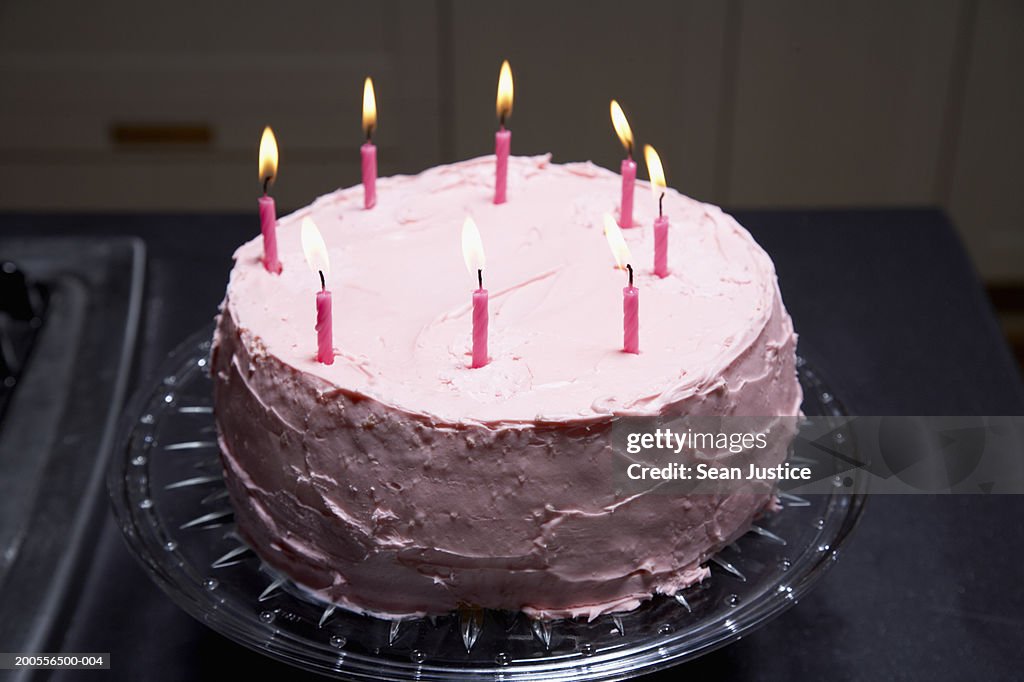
<point>369,108</point>
<point>268,156</point>
<point>655,171</point>
<point>622,128</point>
<point>616,241</point>
<point>505,92</point>
<point>472,247</point>
<point>314,247</point>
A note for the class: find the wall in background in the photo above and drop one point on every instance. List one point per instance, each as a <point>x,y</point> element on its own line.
<point>119,104</point>
<point>143,106</point>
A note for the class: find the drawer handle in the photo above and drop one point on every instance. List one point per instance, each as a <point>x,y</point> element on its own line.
<point>160,134</point>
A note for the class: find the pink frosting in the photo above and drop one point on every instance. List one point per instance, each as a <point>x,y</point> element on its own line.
<point>401,481</point>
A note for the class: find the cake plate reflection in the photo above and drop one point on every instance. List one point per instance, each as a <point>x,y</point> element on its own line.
<point>170,500</point>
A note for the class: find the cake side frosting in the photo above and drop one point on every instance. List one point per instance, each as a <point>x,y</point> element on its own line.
<point>400,481</point>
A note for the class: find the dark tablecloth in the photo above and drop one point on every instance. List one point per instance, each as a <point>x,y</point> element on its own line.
<point>889,310</point>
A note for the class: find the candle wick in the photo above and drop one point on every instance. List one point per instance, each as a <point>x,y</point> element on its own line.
<point>629,150</point>
<point>369,134</point>
<point>629,268</point>
<point>661,199</point>
<point>480,277</point>
<point>323,282</point>
<point>266,183</point>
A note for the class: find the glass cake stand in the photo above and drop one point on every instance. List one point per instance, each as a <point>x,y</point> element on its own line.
<point>169,497</point>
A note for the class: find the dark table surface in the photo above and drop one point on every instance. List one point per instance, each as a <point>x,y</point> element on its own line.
<point>888,309</point>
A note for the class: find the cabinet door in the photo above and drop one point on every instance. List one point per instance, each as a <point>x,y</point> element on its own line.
<point>158,106</point>
<point>841,103</point>
<point>985,188</point>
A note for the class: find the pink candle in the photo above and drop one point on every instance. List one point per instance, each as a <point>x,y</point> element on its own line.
<point>657,174</point>
<point>369,152</point>
<point>628,182</point>
<point>630,316</point>
<point>319,262</point>
<point>502,143</point>
<point>473,252</point>
<point>268,211</point>
<point>268,226</point>
<point>480,321</point>
<point>661,245</point>
<point>502,138</point>
<point>324,324</point>
<point>630,294</point>
<point>625,134</point>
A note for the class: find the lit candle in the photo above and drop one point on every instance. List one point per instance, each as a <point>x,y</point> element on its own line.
<point>473,252</point>
<point>316,256</point>
<point>268,211</point>
<point>657,174</point>
<point>630,294</point>
<point>369,150</point>
<point>502,138</point>
<point>625,134</point>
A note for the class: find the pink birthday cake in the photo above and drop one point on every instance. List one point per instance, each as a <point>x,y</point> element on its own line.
<point>401,481</point>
